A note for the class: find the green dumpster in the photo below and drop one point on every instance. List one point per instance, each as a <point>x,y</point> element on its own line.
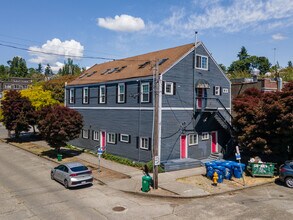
<point>59,157</point>
<point>146,183</point>
<point>261,169</point>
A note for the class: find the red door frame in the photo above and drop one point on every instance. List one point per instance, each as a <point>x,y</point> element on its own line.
<point>103,140</point>
<point>199,97</point>
<point>183,146</point>
<point>214,142</point>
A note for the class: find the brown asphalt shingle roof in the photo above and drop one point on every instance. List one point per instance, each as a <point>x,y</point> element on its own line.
<point>131,66</point>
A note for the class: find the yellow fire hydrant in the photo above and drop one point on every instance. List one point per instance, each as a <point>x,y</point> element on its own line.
<point>215,179</point>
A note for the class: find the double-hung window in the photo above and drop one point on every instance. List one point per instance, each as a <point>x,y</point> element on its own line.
<point>193,139</point>
<point>202,62</point>
<point>205,136</point>
<point>144,143</point>
<point>96,135</point>
<point>217,90</point>
<point>102,98</point>
<point>85,98</point>
<point>145,92</point>
<point>121,93</point>
<point>169,88</point>
<point>85,134</point>
<point>71,96</point>
<point>111,139</point>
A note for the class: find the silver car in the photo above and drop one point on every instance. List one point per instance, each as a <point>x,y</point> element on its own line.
<point>72,174</point>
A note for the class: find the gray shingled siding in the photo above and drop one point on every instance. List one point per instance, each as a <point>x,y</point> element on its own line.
<point>139,123</point>
<point>172,121</point>
<point>136,123</point>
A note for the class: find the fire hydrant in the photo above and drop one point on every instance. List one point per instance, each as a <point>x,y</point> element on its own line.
<point>215,179</point>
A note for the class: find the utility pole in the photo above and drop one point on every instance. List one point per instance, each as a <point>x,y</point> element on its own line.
<point>156,159</point>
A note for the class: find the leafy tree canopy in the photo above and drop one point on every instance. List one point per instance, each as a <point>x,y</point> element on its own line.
<point>246,62</point>
<point>264,121</point>
<point>39,97</point>
<point>57,85</point>
<point>17,67</point>
<point>69,68</point>
<point>16,112</point>
<point>59,124</point>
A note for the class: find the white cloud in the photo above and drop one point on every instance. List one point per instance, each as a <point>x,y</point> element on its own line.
<point>232,16</point>
<point>54,51</point>
<point>278,36</point>
<point>124,23</point>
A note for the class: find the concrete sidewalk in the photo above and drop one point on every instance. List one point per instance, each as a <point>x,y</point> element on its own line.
<point>130,178</point>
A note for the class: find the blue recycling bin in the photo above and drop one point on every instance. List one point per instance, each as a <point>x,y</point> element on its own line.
<point>210,169</point>
<point>237,168</point>
<point>220,171</point>
<point>228,172</point>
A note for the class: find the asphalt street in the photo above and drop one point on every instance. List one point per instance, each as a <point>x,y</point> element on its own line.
<point>27,192</point>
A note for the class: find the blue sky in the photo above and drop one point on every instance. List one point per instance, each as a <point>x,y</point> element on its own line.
<point>118,29</point>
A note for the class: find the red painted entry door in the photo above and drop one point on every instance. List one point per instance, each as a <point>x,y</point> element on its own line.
<point>214,142</point>
<point>183,147</point>
<point>103,140</point>
<point>199,97</point>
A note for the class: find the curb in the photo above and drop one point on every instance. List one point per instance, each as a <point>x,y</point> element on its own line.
<point>146,194</point>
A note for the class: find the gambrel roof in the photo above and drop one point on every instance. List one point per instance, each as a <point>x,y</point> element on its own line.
<point>132,67</point>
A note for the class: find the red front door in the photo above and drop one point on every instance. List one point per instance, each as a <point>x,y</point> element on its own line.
<point>214,146</point>
<point>103,140</point>
<point>183,147</point>
<point>199,97</point>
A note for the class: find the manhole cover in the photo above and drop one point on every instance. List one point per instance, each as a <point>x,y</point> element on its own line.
<point>118,209</point>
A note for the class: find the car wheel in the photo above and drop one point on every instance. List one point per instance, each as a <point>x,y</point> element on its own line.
<point>66,184</point>
<point>52,176</point>
<point>289,182</point>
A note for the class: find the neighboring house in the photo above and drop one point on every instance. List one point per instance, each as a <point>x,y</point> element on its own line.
<point>265,85</point>
<point>15,83</point>
<point>116,100</point>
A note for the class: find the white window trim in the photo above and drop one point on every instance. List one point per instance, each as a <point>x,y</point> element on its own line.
<point>140,143</point>
<point>119,93</point>
<point>125,135</point>
<point>141,93</point>
<point>218,90</point>
<point>96,135</point>
<point>71,96</point>
<point>102,95</point>
<point>198,55</point>
<point>225,90</point>
<point>192,144</point>
<point>205,136</point>
<point>84,101</point>
<point>111,141</point>
<point>172,88</point>
<point>85,134</point>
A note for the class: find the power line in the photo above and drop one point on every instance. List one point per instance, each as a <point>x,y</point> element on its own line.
<point>56,54</point>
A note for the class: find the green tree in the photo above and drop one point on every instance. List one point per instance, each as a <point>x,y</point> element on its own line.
<point>39,97</point>
<point>69,68</point>
<point>4,72</point>
<point>39,69</point>
<point>242,55</point>
<point>59,124</point>
<point>17,67</point>
<point>264,122</point>
<point>48,71</point>
<point>57,85</point>
<point>246,62</point>
<point>16,112</point>
<point>223,67</point>
<point>290,63</point>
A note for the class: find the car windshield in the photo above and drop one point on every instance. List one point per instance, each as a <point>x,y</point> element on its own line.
<point>78,169</point>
